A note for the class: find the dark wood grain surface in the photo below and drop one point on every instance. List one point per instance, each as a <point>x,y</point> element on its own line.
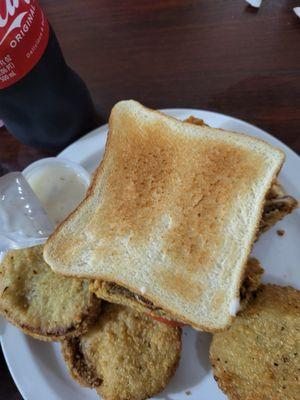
<point>218,55</point>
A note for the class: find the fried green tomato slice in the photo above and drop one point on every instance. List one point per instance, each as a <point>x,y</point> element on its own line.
<point>258,357</point>
<point>125,356</point>
<point>43,304</point>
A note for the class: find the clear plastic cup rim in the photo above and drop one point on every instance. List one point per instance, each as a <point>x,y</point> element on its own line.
<point>42,163</point>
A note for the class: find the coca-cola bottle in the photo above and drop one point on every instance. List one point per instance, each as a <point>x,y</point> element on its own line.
<point>43,102</point>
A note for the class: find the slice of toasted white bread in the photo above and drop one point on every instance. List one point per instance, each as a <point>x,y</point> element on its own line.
<point>172,214</point>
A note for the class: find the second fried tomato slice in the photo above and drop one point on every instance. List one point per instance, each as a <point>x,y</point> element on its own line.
<point>126,355</point>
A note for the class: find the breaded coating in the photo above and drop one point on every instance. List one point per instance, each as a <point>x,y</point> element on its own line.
<point>45,305</point>
<point>125,356</point>
<point>258,357</point>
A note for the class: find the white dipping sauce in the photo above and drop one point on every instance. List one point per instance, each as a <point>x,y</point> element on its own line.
<point>59,188</point>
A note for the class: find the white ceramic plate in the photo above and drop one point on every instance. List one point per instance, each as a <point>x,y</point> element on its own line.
<point>38,369</point>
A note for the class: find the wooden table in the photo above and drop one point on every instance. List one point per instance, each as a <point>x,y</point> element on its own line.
<point>211,54</point>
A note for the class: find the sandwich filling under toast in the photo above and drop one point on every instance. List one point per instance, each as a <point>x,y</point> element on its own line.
<point>278,204</point>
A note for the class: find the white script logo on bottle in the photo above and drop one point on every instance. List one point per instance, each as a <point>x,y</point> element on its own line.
<point>9,20</point>
<point>24,36</point>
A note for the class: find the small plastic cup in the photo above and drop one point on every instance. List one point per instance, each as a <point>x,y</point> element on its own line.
<point>59,184</point>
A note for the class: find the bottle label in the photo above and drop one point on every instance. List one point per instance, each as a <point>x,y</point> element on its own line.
<point>24,35</point>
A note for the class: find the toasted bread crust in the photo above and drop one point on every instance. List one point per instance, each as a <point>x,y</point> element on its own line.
<point>180,230</point>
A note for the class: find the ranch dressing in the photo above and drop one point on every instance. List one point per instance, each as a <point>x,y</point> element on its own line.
<point>59,188</point>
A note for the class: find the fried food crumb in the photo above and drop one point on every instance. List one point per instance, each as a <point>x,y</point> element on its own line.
<point>194,120</point>
<point>280,232</point>
<point>188,392</point>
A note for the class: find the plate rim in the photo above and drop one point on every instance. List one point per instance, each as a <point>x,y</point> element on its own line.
<point>104,129</point>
